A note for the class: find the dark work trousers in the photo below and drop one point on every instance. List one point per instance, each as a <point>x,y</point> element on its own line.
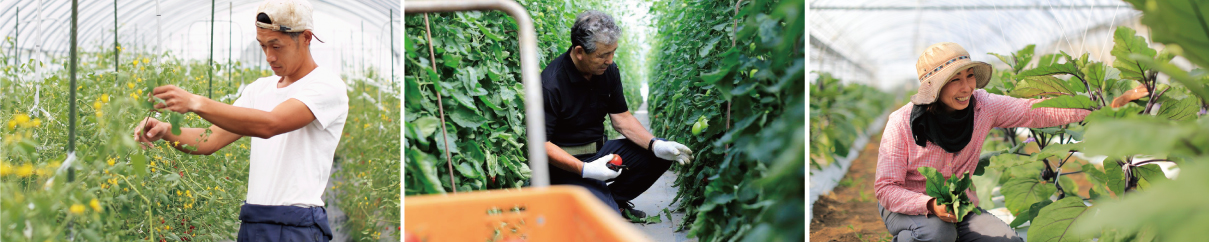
<point>283,223</point>
<point>973,228</point>
<point>643,168</point>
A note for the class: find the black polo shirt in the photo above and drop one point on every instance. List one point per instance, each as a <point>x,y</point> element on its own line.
<point>576,107</point>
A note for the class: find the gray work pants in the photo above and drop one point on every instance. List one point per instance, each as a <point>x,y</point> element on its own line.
<point>973,227</point>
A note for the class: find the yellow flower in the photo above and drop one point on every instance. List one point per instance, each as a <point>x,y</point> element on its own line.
<point>130,84</point>
<point>25,170</point>
<point>145,60</point>
<point>141,68</point>
<point>366,126</point>
<point>77,209</point>
<point>35,123</point>
<point>189,193</point>
<point>178,192</point>
<point>96,104</point>
<point>12,124</point>
<point>21,118</point>
<point>42,171</point>
<point>105,98</point>
<point>152,170</point>
<point>136,62</point>
<point>140,79</point>
<point>96,206</point>
<point>99,114</point>
<point>110,161</point>
<point>125,189</point>
<point>5,169</point>
<point>176,143</point>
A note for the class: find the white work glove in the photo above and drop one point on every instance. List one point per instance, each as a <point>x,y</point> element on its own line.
<point>672,151</point>
<point>597,169</point>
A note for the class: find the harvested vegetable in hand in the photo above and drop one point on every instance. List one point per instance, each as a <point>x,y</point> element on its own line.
<point>951,192</point>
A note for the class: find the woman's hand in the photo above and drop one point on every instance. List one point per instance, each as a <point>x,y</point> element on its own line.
<point>941,212</point>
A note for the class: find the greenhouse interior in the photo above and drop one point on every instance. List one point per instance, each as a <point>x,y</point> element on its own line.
<point>1087,120</point>
<point>75,85</point>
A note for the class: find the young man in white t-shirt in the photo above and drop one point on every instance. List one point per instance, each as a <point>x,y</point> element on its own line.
<point>295,117</point>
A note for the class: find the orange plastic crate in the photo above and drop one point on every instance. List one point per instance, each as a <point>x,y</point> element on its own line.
<point>556,213</point>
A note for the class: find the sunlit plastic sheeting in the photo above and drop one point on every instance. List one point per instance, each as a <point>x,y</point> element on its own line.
<point>890,35</point>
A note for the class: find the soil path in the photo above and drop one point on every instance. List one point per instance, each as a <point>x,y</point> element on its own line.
<point>849,213</point>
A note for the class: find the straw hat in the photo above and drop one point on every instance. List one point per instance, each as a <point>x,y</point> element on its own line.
<point>938,64</point>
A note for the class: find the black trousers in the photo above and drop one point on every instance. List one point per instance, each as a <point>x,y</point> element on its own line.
<point>643,170</point>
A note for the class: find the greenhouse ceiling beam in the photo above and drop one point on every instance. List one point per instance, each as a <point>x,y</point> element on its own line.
<point>966,8</point>
<point>826,47</point>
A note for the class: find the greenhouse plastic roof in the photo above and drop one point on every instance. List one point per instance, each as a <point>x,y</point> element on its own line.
<point>184,27</point>
<point>886,37</point>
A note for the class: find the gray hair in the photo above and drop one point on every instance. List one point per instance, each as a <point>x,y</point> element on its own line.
<point>593,27</point>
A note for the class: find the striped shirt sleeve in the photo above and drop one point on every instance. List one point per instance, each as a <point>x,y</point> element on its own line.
<point>1019,112</point>
<point>890,185</point>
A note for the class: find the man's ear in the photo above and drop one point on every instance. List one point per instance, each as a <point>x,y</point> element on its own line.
<point>577,52</point>
<point>308,36</point>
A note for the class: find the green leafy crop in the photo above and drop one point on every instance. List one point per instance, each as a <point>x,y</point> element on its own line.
<point>951,192</point>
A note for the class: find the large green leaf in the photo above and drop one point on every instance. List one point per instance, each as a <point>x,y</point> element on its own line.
<point>1029,214</point>
<point>1021,192</point>
<point>426,125</point>
<point>1080,102</point>
<point>1053,64</point>
<point>466,118</point>
<point>1055,222</point>
<point>1139,135</point>
<point>1183,109</point>
<point>1178,22</point>
<point>1174,209</point>
<point>1041,86</point>
<point>936,185</point>
<point>1126,42</point>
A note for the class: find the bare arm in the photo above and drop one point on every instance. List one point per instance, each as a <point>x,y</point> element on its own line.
<point>287,116</point>
<point>563,160</point>
<point>191,137</point>
<point>626,124</point>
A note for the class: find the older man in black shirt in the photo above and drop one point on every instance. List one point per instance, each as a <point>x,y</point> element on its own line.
<point>580,87</point>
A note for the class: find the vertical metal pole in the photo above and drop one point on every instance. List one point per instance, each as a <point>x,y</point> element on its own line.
<point>116,46</point>
<point>71,127</point>
<point>230,45</point>
<point>392,46</point>
<point>17,37</point>
<point>362,69</point>
<point>534,117</point>
<point>210,83</point>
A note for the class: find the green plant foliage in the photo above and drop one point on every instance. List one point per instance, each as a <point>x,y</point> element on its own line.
<point>951,192</point>
<point>838,115</point>
<point>116,191</point>
<point>1164,126</point>
<point>478,78</point>
<point>745,181</point>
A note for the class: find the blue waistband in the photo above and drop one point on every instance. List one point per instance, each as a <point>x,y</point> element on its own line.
<point>286,215</point>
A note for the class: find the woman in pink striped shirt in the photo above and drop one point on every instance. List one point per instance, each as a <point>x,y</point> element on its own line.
<point>944,127</point>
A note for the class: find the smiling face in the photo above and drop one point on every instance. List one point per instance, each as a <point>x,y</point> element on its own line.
<point>284,54</point>
<point>956,94</point>
<point>594,63</point>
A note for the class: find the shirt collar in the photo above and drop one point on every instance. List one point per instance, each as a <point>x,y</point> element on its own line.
<point>571,69</point>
